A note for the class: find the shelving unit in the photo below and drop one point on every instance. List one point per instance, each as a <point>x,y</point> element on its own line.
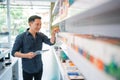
<point>93,20</point>
<point>101,20</point>
<point>90,54</point>
<point>68,71</point>
<point>91,37</point>
<point>4,52</point>
<point>10,72</point>
<point>60,67</point>
<point>8,65</point>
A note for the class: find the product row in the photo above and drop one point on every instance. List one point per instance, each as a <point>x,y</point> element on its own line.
<point>70,70</point>
<point>100,51</point>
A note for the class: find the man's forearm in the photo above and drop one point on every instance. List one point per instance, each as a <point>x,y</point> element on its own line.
<point>52,40</point>
<point>19,54</point>
<point>29,55</point>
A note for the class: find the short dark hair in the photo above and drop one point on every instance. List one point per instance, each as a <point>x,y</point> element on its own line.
<point>33,17</point>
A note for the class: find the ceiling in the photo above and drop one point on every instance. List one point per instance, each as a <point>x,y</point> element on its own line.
<point>31,3</point>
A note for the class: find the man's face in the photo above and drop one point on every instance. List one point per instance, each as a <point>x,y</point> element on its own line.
<point>36,25</point>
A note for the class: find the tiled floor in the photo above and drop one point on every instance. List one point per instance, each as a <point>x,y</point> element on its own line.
<point>50,68</point>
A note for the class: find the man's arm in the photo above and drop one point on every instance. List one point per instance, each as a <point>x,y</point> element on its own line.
<point>52,39</point>
<point>29,55</point>
<point>16,49</point>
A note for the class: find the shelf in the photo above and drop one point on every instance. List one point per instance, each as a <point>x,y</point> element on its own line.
<point>106,6</point>
<point>68,72</point>
<point>96,58</point>
<point>59,19</point>
<point>100,21</point>
<point>83,9</point>
<point>56,7</point>
<point>101,52</point>
<point>60,65</point>
<point>3,52</point>
<point>101,18</point>
<point>87,69</point>
<point>8,70</point>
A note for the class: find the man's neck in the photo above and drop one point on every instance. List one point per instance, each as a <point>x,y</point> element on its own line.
<point>32,32</point>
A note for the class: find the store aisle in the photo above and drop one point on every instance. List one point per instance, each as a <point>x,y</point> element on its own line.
<point>50,68</point>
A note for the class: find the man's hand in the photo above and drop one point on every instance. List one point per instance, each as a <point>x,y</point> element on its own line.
<point>30,55</point>
<point>54,31</point>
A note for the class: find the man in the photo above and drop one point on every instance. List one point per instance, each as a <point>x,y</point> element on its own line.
<point>27,43</point>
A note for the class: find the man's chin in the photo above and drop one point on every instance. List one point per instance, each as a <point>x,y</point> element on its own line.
<point>37,31</point>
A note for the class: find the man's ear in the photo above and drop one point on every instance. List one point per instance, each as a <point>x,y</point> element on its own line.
<point>30,23</point>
